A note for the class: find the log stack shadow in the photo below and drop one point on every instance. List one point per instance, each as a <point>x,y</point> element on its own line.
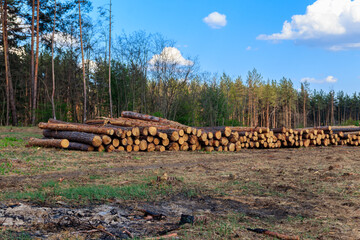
<point>135,132</point>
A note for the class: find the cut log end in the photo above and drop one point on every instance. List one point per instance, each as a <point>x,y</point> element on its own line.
<point>97,141</point>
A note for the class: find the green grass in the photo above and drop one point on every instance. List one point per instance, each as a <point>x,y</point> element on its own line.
<point>11,235</point>
<point>88,193</point>
<point>11,142</point>
<point>219,228</point>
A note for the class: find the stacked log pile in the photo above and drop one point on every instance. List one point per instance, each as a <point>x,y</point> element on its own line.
<point>139,132</point>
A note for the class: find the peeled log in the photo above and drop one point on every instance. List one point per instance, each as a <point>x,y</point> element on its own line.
<point>77,128</point>
<point>87,138</point>
<point>80,146</point>
<point>58,143</point>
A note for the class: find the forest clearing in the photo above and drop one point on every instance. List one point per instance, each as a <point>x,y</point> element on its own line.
<point>142,120</point>
<point>310,192</point>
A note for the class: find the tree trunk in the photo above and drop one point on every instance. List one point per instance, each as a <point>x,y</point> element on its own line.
<point>135,115</point>
<point>267,115</point>
<point>83,64</point>
<point>80,146</point>
<point>9,87</point>
<point>32,66</point>
<point>53,65</point>
<point>332,122</point>
<point>7,82</point>
<point>36,64</point>
<point>304,109</point>
<point>58,143</point>
<point>110,96</point>
<point>77,127</point>
<point>81,137</point>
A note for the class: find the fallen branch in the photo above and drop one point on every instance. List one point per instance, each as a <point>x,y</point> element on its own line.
<point>172,235</point>
<point>128,233</point>
<point>274,234</point>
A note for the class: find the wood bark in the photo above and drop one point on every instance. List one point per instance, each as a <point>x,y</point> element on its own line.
<point>80,146</point>
<point>81,137</point>
<point>135,115</point>
<point>346,129</point>
<point>57,143</point>
<point>77,127</point>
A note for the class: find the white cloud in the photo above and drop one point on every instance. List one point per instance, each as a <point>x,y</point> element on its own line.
<point>331,79</point>
<point>328,79</point>
<point>335,23</point>
<point>248,48</point>
<point>170,55</point>
<point>62,39</point>
<point>344,46</point>
<point>215,20</point>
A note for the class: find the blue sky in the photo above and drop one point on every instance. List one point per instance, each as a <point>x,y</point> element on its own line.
<point>320,46</point>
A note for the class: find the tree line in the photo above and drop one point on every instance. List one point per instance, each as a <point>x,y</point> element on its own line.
<point>58,62</point>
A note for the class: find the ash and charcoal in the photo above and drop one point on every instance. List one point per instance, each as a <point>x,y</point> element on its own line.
<point>110,221</point>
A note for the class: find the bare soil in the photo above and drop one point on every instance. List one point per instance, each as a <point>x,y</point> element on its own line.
<point>313,193</point>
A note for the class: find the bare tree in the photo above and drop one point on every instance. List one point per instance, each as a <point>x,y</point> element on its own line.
<point>83,63</point>
<point>110,96</point>
<point>10,100</point>
<point>171,74</point>
<point>53,64</point>
<point>36,63</point>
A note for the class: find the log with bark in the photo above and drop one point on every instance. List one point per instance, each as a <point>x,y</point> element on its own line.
<point>81,137</point>
<point>77,128</point>
<point>57,143</point>
<point>80,146</point>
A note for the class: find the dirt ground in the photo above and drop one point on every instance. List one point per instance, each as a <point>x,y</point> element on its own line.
<point>313,193</point>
